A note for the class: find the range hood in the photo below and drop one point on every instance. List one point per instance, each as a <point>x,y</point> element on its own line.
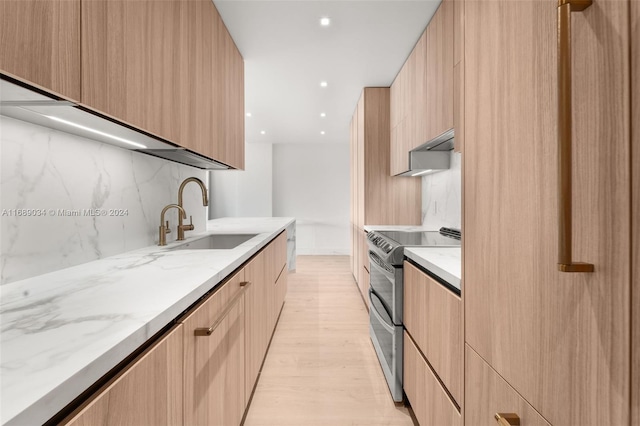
<point>432,156</point>
<point>31,105</point>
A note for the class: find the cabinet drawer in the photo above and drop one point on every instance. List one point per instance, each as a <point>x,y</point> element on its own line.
<point>487,394</point>
<point>208,311</point>
<point>433,318</point>
<point>429,400</point>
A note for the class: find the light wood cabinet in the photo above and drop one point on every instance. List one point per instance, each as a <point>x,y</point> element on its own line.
<point>168,67</point>
<point>40,44</point>
<point>380,199</point>
<point>130,69</point>
<point>635,211</point>
<point>256,329</point>
<point>489,394</point>
<point>214,391</point>
<point>429,400</point>
<point>561,340</point>
<point>439,63</point>
<point>433,318</point>
<point>148,392</point>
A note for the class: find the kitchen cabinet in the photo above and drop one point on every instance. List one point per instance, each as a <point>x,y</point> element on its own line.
<point>380,199</point>
<point>429,400</point>
<point>635,211</point>
<point>489,394</point>
<point>408,108</point>
<point>433,318</point>
<point>40,44</point>
<point>422,94</point>
<point>439,63</point>
<point>214,391</point>
<point>148,392</point>
<point>260,313</point>
<point>560,340</point>
<point>458,74</point>
<point>130,63</point>
<point>169,68</point>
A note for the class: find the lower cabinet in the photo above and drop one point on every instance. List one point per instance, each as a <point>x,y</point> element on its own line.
<point>488,395</point>
<point>214,355</point>
<point>202,372</point>
<point>148,392</point>
<point>429,400</point>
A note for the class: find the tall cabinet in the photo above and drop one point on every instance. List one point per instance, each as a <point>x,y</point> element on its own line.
<point>376,197</point>
<point>550,346</point>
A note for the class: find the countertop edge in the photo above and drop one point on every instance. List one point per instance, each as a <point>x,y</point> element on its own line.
<point>433,267</point>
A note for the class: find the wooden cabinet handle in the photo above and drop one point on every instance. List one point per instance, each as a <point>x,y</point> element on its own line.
<point>209,331</point>
<point>565,262</point>
<point>507,419</point>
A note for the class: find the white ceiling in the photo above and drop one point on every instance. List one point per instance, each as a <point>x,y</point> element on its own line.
<point>287,53</point>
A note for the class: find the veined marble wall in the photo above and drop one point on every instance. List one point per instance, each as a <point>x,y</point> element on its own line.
<point>442,197</point>
<point>87,200</point>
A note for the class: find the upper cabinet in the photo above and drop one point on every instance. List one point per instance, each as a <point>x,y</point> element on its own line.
<point>40,44</point>
<point>439,72</point>
<point>167,67</point>
<point>131,63</point>
<point>422,94</point>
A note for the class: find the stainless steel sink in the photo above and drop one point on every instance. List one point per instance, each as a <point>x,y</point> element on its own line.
<point>216,242</point>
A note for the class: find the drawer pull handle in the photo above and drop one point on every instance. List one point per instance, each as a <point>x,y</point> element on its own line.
<point>209,331</point>
<point>565,259</point>
<point>507,419</point>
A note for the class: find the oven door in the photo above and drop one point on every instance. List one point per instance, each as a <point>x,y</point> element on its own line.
<point>387,341</point>
<point>386,281</point>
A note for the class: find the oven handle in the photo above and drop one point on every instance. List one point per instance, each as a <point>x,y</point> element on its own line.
<point>376,261</point>
<point>389,328</point>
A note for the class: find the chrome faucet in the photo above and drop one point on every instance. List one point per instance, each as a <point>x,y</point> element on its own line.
<point>205,202</point>
<point>164,230</point>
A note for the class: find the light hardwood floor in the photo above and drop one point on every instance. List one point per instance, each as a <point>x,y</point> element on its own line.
<point>321,368</point>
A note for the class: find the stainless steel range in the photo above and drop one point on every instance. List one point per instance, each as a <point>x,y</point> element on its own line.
<point>386,256</point>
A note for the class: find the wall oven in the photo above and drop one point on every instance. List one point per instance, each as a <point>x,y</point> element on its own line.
<point>386,256</point>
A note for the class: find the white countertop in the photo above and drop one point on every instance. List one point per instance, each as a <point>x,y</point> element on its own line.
<point>406,228</point>
<point>62,331</point>
<point>444,262</point>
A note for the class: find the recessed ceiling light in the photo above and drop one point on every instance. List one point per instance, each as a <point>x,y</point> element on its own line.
<point>323,84</point>
<point>248,114</point>
<point>325,22</point>
<point>322,132</point>
<point>262,132</point>
<point>323,114</point>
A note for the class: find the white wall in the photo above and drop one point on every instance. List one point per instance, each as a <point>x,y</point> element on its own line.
<point>52,171</point>
<point>442,196</point>
<point>248,193</point>
<point>311,183</point>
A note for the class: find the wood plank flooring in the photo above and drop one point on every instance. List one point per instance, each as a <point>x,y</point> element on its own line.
<point>321,368</point>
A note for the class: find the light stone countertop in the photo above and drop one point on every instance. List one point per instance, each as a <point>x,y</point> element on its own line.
<point>62,331</point>
<point>444,262</point>
<point>406,228</point>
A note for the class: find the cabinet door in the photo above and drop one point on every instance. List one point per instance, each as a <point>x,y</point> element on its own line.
<point>130,66</point>
<point>149,392</point>
<point>429,400</point>
<point>40,43</point>
<point>635,213</point>
<point>256,327</point>
<point>214,392</point>
<point>560,339</point>
<point>439,98</point>
<point>433,318</point>
<point>488,394</point>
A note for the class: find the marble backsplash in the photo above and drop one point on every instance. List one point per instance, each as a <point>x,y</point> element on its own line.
<point>442,197</point>
<point>68,184</point>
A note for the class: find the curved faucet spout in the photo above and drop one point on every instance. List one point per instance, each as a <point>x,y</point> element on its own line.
<point>205,202</point>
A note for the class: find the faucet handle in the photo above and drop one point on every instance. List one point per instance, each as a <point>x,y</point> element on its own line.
<point>167,230</point>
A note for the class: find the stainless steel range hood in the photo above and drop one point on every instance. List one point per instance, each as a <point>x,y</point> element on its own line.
<point>432,156</point>
<point>31,105</point>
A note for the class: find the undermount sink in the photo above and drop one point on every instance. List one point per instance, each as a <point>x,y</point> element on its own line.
<point>216,242</point>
